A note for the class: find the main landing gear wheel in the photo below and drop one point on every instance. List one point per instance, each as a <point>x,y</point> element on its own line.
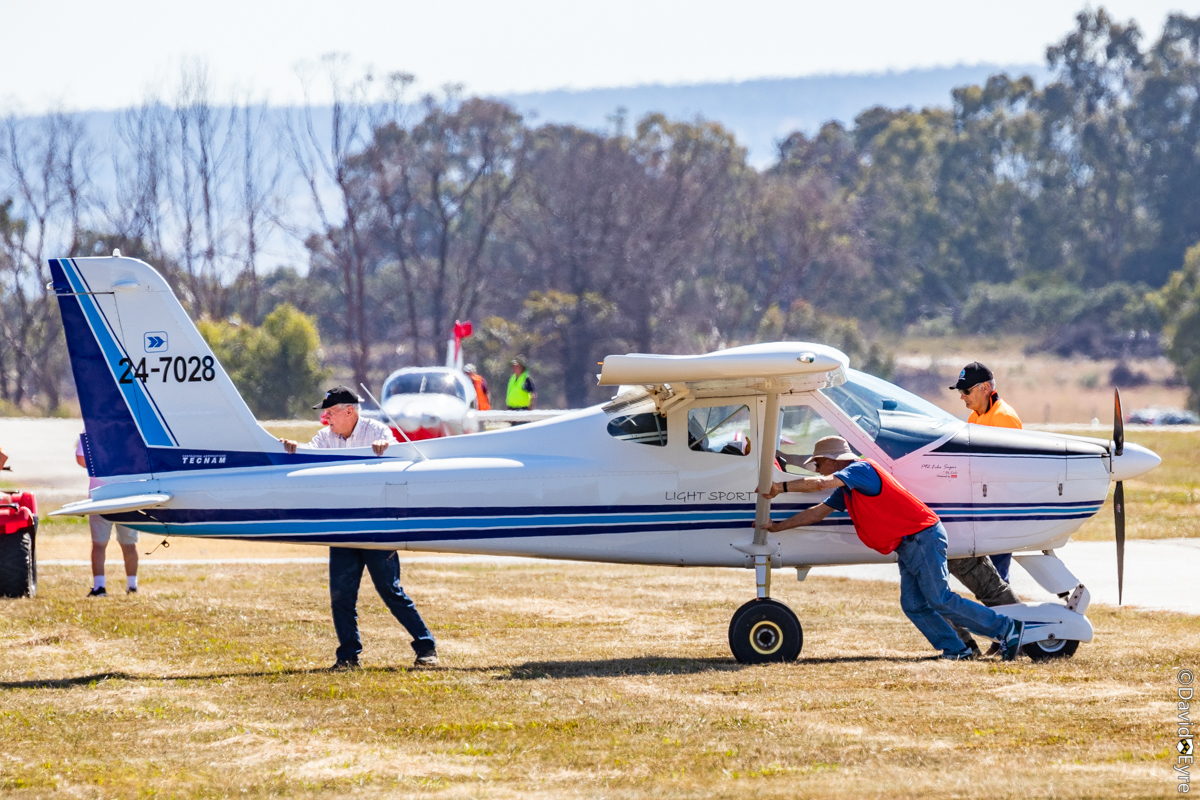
<point>765,631</point>
<point>1049,649</point>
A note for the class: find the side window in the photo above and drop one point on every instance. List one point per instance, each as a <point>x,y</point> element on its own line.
<point>720,429</point>
<point>641,428</point>
<point>802,427</point>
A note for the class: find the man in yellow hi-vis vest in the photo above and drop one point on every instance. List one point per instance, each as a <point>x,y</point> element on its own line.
<point>522,395</point>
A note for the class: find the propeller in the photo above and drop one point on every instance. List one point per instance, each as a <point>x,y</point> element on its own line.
<point>1119,493</point>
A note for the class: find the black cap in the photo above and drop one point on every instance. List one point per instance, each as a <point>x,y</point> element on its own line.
<point>338,395</point>
<point>972,374</point>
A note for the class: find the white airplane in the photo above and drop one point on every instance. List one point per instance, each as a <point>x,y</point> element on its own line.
<point>431,402</point>
<point>421,403</point>
<point>428,403</point>
<point>663,474</point>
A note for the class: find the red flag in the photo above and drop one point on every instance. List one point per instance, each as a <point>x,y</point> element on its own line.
<point>462,329</point>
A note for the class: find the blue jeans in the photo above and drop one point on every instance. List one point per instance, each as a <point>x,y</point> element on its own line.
<point>926,598</point>
<point>345,575</point>
<point>1002,561</point>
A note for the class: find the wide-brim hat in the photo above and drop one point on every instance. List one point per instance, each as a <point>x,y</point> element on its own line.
<point>337,396</point>
<point>834,447</point>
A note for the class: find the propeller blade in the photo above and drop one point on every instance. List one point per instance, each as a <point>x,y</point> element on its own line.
<point>1118,424</point>
<point>1119,513</point>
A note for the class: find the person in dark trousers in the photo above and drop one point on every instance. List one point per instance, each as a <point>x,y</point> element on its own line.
<point>347,429</point>
<point>888,518</point>
<point>985,576</point>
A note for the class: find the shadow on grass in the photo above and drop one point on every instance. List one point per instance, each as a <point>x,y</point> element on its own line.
<point>652,665</point>
<point>87,680</point>
<point>616,667</point>
<point>533,670</point>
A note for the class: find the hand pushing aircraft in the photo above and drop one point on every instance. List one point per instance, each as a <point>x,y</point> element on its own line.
<point>663,474</point>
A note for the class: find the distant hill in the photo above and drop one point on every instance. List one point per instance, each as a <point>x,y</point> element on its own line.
<point>761,112</point>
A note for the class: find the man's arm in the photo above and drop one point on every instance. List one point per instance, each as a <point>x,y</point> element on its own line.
<point>384,437</point>
<point>321,439</point>
<point>817,483</point>
<point>808,516</point>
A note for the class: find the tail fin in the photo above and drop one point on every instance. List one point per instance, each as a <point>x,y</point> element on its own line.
<point>154,398</point>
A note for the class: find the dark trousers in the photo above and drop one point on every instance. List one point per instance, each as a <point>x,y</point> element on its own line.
<point>1002,561</point>
<point>345,575</point>
<point>979,574</point>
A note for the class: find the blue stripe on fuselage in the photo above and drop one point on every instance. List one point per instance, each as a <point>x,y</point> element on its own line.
<point>450,524</point>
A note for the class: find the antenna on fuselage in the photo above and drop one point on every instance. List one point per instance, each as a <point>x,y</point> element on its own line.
<point>394,423</point>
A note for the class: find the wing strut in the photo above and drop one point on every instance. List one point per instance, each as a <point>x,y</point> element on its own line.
<point>768,443</point>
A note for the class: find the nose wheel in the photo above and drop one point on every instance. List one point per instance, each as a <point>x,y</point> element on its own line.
<point>765,631</point>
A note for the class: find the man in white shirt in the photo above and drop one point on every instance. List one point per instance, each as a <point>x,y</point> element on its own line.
<point>348,429</point>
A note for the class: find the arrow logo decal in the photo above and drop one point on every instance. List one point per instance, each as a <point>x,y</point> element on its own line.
<point>156,342</point>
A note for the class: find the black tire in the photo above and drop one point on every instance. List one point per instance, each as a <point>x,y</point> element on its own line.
<point>17,575</point>
<point>765,632</point>
<point>1047,651</point>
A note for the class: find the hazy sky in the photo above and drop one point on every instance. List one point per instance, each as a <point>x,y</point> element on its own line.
<point>94,55</point>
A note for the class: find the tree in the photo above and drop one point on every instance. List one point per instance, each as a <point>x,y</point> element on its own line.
<point>572,225</point>
<point>47,165</point>
<point>276,366</point>
<point>1180,304</point>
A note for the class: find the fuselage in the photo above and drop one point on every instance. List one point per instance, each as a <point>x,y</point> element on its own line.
<point>583,487</point>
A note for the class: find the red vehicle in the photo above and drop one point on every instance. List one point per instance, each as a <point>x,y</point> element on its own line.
<point>18,544</point>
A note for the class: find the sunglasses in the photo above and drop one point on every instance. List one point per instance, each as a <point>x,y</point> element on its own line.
<point>965,392</point>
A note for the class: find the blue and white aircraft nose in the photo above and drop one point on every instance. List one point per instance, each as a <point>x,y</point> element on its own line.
<point>1135,460</point>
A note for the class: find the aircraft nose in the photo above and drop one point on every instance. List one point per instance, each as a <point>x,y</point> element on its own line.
<point>1134,461</point>
<point>430,421</point>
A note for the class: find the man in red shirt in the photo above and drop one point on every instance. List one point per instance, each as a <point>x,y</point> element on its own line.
<point>888,518</point>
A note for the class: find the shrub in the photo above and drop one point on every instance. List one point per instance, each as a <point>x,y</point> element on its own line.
<point>276,366</point>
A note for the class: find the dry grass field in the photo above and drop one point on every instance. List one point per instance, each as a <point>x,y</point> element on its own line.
<point>558,680</point>
<point>566,680</point>
<point>1044,388</point>
<point>1165,502</point>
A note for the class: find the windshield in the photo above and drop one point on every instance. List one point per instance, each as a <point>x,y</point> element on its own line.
<point>424,383</point>
<point>897,420</point>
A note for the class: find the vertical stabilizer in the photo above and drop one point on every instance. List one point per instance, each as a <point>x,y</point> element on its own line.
<point>153,396</point>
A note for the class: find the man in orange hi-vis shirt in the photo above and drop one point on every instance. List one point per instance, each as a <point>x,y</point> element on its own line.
<point>985,576</point>
<point>977,387</point>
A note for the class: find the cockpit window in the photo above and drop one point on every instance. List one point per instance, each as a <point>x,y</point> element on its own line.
<point>897,420</point>
<point>425,383</point>
<point>802,427</point>
<point>648,428</point>
<point>720,429</point>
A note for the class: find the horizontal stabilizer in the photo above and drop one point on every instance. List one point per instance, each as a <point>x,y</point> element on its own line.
<point>115,505</point>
